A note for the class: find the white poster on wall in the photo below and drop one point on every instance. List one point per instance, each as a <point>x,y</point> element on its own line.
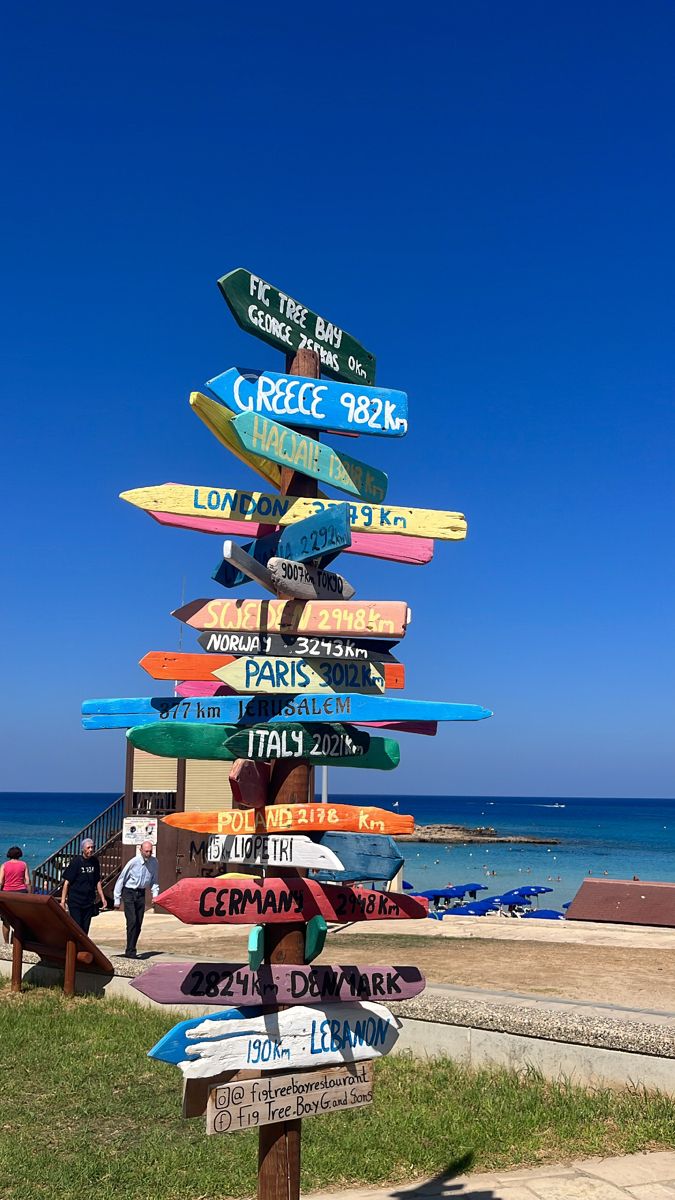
<point>136,830</point>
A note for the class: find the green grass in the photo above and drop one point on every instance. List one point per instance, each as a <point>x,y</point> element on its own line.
<point>84,1112</point>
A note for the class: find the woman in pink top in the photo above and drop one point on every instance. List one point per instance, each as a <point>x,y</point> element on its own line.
<point>14,877</point>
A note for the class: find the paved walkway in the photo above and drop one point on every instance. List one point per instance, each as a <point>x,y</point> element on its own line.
<point>636,1177</point>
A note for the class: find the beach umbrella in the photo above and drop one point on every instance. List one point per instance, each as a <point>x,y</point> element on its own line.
<point>532,889</point>
<point>475,887</point>
<point>548,914</point>
<point>485,904</point>
<point>475,909</point>
<point>441,893</point>
<point>514,897</point>
<point>481,907</point>
<point>566,906</point>
<point>407,887</point>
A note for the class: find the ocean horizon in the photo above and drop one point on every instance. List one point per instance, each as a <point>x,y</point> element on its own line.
<point>597,836</point>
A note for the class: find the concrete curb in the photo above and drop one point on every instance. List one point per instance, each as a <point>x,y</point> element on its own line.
<point>561,1042</point>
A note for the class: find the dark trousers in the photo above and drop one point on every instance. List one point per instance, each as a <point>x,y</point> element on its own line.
<point>134,911</point>
<point>81,914</point>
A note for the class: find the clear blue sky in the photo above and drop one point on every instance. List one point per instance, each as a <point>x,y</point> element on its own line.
<point>483,194</point>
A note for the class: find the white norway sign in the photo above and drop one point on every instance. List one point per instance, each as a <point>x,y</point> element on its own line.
<point>271,850</point>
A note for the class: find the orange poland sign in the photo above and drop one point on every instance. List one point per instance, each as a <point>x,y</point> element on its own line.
<point>294,818</point>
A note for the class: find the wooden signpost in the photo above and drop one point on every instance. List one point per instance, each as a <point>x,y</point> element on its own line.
<point>290,448</point>
<point>305,582</point>
<point>227,743</point>
<point>235,1106</point>
<point>319,538</point>
<point>262,549</point>
<point>372,618</point>
<point>267,313</point>
<point>124,712</point>
<point>198,500</point>
<point>272,850</point>
<point>310,675</point>
<point>306,661</point>
<point>235,985</point>
<point>293,1037</point>
<point>427,728</point>
<point>268,742</point>
<point>287,448</point>
<point>214,687</point>
<point>216,641</point>
<point>295,818</point>
<point>394,547</point>
<point>237,645</point>
<point>243,902</point>
<point>283,577</point>
<point>169,664</point>
<point>203,688</point>
<point>241,563</point>
<point>316,932</point>
<point>256,947</point>
<point>314,404</point>
<point>250,783</point>
<point>220,421</point>
<point>362,856</point>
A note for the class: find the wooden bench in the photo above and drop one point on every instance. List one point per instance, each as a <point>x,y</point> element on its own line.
<point>41,926</point>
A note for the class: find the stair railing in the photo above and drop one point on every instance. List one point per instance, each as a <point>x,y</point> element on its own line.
<point>106,833</point>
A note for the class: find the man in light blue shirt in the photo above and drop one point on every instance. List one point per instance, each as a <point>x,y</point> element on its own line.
<point>139,874</point>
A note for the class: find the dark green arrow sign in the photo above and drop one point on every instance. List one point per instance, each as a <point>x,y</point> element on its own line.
<point>269,314</point>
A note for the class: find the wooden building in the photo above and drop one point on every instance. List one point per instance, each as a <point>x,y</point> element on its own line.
<point>156,786</point>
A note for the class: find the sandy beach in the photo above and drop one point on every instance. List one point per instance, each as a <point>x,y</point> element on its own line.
<point>616,964</point>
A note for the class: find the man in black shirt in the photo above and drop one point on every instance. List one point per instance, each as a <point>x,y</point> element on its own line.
<point>81,884</point>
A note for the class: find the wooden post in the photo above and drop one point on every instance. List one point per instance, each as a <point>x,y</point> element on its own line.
<point>69,968</point>
<point>129,781</point>
<point>290,783</point>
<point>17,958</point>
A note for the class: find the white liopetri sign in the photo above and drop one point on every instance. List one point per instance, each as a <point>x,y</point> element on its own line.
<point>271,850</point>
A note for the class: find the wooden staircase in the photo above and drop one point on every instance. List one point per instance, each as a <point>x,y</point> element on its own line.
<point>105,830</point>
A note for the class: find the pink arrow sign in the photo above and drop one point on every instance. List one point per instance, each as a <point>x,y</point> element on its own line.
<point>395,547</point>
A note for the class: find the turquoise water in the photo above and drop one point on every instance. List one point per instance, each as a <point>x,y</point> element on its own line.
<point>619,838</point>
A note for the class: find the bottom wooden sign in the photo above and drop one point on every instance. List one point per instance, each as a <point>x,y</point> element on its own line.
<point>253,1102</point>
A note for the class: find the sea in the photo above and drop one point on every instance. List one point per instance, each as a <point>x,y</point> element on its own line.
<point>615,838</point>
